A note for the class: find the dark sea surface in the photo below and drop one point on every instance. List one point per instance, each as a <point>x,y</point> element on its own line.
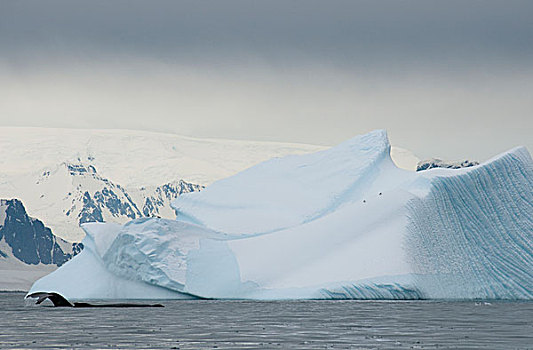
<point>207,324</point>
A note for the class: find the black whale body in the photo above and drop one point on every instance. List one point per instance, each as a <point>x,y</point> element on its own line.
<point>60,301</point>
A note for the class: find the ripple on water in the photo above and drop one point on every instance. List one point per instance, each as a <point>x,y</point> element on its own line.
<point>201,324</point>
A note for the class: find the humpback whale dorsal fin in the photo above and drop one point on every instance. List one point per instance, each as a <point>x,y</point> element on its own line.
<point>56,298</point>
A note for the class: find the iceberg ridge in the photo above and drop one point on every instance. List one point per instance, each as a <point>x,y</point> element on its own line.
<point>285,192</point>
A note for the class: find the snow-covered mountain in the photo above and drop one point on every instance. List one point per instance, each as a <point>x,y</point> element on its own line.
<point>70,194</point>
<point>343,223</point>
<point>28,249</point>
<point>438,163</point>
<point>134,158</point>
<point>140,158</point>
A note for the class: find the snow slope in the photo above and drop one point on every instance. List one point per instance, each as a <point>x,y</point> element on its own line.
<point>135,158</point>
<point>285,192</point>
<point>18,276</point>
<point>340,223</point>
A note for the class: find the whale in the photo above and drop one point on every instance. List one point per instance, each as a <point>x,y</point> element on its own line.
<point>60,301</point>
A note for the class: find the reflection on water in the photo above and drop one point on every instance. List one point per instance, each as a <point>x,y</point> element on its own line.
<point>203,324</point>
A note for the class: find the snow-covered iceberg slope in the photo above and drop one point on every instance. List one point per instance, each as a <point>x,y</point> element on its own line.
<point>340,223</point>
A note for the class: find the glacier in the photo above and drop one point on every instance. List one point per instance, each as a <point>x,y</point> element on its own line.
<point>342,223</point>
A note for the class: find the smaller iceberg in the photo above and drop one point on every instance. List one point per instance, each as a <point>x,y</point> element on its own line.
<point>344,223</point>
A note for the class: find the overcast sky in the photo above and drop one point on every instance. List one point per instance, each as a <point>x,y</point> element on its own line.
<point>450,79</point>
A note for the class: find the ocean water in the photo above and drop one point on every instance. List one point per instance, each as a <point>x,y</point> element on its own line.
<point>209,324</point>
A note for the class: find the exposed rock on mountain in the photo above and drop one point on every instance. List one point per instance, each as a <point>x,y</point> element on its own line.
<point>28,239</point>
<point>438,163</point>
<point>73,193</point>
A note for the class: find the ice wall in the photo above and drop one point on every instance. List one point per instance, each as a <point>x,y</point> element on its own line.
<point>472,235</point>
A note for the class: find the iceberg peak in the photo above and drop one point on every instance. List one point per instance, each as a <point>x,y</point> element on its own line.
<point>299,188</point>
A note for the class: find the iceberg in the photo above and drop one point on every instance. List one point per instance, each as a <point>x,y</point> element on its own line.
<point>342,223</point>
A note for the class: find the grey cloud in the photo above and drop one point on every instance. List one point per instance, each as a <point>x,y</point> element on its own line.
<point>446,78</point>
<point>341,31</point>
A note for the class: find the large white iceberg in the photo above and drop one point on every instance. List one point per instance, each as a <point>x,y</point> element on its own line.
<point>340,223</point>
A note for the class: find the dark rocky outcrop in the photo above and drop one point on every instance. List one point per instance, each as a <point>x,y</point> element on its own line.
<point>438,163</point>
<point>29,239</point>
